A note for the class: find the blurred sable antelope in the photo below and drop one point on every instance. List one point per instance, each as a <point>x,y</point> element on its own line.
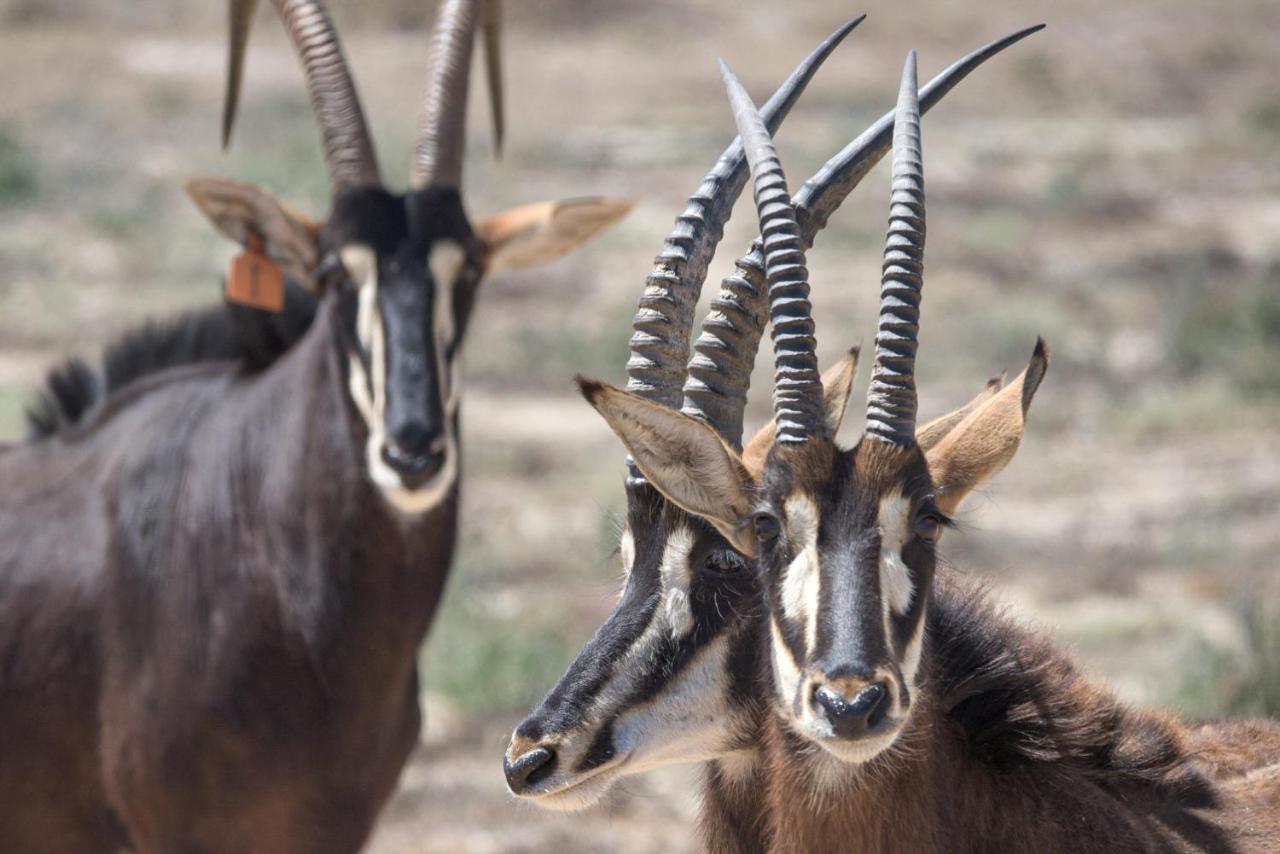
<point>214,580</point>
<point>866,700</point>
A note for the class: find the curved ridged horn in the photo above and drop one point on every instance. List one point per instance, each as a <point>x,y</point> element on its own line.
<point>664,319</point>
<point>891,399</point>
<point>492,32</point>
<point>797,383</point>
<point>442,131</point>
<point>241,17</point>
<point>719,374</point>
<point>348,149</point>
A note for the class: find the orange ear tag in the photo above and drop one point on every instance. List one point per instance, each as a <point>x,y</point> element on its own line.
<point>255,280</point>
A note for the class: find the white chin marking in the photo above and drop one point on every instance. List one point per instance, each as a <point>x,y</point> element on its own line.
<point>402,498</point>
<point>578,796</point>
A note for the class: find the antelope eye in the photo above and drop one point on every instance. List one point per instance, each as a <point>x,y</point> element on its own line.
<point>767,527</point>
<point>928,527</point>
<point>724,561</point>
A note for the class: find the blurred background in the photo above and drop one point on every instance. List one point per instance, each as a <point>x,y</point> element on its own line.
<point>1111,183</point>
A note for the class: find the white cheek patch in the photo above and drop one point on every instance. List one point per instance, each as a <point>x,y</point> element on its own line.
<point>911,655</point>
<point>801,583</point>
<point>895,578</point>
<point>677,577</point>
<point>786,672</point>
<point>627,550</point>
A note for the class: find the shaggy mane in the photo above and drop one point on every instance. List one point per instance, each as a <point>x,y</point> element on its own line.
<point>220,333</point>
<point>1020,701</point>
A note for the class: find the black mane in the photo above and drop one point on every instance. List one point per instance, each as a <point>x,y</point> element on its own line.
<point>252,338</point>
<point>1022,702</point>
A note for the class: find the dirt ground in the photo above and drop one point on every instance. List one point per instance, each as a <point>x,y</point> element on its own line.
<point>1110,184</point>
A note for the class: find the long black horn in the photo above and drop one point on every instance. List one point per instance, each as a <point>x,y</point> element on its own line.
<point>492,31</point>
<point>797,384</point>
<point>241,18</point>
<point>719,374</point>
<point>664,321</point>
<point>348,148</point>
<point>891,399</point>
<point>442,131</point>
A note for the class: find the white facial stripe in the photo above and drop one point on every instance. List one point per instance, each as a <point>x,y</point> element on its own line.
<point>786,671</point>
<point>444,262</point>
<point>801,584</point>
<point>911,654</point>
<point>369,393</point>
<point>895,528</point>
<point>677,577</point>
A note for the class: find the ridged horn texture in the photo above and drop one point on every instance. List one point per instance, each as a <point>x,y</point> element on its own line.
<point>891,399</point>
<point>797,383</point>
<point>664,320</point>
<point>719,373</point>
<point>348,148</point>
<point>241,18</point>
<point>437,159</point>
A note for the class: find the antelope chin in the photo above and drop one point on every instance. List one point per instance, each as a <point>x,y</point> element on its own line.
<point>415,498</point>
<point>862,750</point>
<point>576,792</point>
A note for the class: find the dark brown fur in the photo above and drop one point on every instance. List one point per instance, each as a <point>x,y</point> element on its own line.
<point>1011,750</point>
<point>209,637</point>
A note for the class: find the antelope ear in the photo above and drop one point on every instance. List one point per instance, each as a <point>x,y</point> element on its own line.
<point>985,436</point>
<point>933,432</point>
<point>683,458</point>
<point>837,386</point>
<point>246,214</point>
<point>540,233</point>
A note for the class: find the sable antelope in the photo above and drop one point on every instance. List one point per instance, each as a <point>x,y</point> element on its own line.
<point>682,617</point>
<point>213,584</point>
<point>904,712</point>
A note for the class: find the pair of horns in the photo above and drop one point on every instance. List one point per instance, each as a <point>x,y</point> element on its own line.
<point>797,395</point>
<point>348,146</point>
<point>716,379</point>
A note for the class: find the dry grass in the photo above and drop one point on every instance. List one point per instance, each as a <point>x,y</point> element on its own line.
<point>1110,184</point>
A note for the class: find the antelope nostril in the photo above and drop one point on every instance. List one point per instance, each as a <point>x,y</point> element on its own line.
<point>853,717</point>
<point>413,437</point>
<point>529,769</point>
<point>421,467</point>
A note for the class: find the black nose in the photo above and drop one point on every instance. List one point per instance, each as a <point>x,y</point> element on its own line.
<point>412,436</point>
<point>421,465</point>
<point>529,770</point>
<point>851,718</point>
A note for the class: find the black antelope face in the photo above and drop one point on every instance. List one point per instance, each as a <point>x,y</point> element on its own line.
<point>846,548</point>
<point>410,265</point>
<point>405,270</point>
<point>667,678</point>
<point>841,545</point>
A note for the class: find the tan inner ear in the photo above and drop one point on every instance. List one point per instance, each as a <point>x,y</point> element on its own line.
<point>837,387</point>
<point>539,233</point>
<point>984,437</point>
<point>246,214</point>
<point>683,458</point>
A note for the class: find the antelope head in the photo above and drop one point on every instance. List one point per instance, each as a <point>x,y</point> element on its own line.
<point>403,269</point>
<point>671,676</point>
<point>843,540</point>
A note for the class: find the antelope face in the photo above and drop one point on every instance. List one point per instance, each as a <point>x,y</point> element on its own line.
<point>846,548</point>
<point>667,678</point>
<point>409,265</point>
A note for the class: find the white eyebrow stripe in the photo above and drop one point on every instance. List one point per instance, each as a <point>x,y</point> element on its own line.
<point>802,582</point>
<point>677,578</point>
<point>895,576</point>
